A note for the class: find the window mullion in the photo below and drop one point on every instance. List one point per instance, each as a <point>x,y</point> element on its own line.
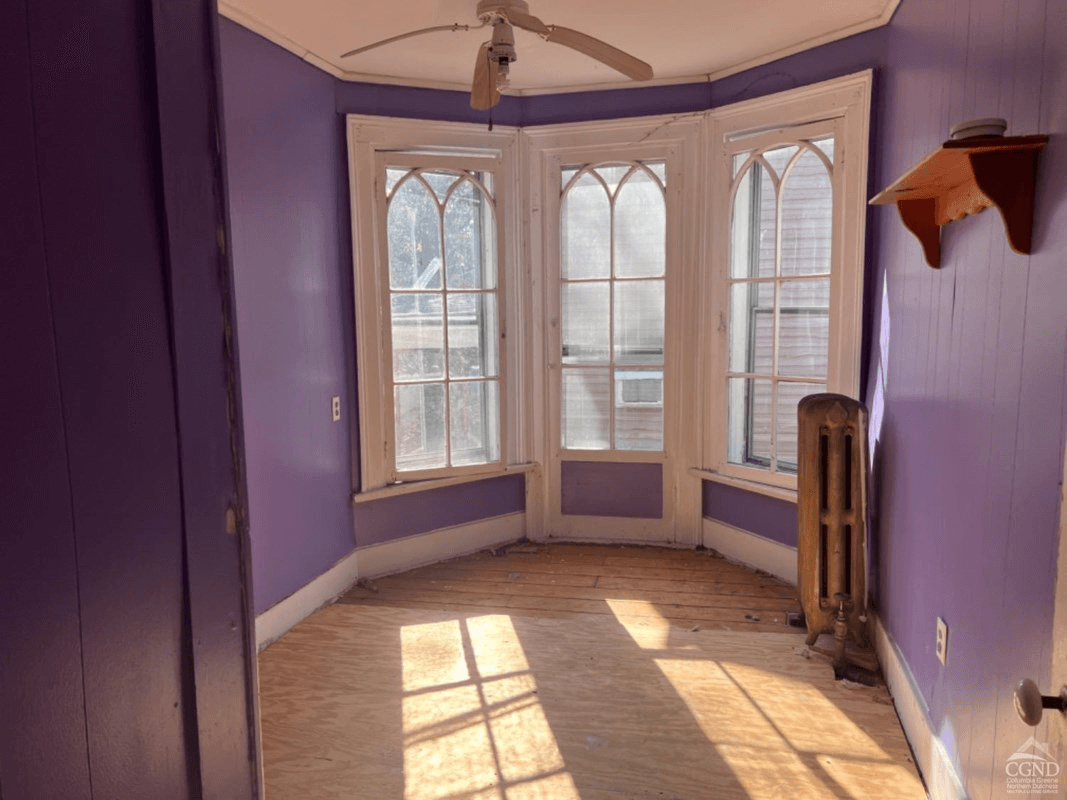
<point>444,322</point>
<point>777,322</point>
<point>611,320</point>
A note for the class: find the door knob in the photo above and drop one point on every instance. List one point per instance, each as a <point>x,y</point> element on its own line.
<point>1029,701</point>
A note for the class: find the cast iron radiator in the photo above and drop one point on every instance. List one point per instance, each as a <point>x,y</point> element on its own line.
<point>832,516</point>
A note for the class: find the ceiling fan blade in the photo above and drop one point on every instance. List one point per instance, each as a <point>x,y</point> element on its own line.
<point>453,27</point>
<point>528,22</point>
<point>484,93</point>
<point>602,51</point>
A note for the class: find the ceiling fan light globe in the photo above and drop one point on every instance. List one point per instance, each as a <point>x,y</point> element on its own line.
<point>498,9</point>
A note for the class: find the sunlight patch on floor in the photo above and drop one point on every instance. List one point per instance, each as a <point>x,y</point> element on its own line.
<point>643,622</point>
<point>497,650</point>
<point>432,655</point>
<point>720,707</point>
<point>775,733</point>
<point>446,745</point>
<point>804,715</point>
<point>487,738</point>
<point>773,774</point>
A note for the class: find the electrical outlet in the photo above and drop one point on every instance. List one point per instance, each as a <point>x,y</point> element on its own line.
<point>335,405</point>
<point>941,646</point>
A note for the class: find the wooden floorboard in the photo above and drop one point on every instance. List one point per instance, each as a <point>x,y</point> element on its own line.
<point>570,672</point>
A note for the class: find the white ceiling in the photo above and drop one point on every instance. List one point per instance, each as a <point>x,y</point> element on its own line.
<point>683,40</point>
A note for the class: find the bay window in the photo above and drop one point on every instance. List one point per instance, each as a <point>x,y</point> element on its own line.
<point>659,290</point>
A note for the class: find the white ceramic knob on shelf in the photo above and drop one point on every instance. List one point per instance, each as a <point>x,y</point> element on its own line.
<point>986,126</point>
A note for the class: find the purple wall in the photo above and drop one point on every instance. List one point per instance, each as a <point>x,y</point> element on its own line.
<point>288,191</point>
<point>105,630</point>
<point>604,489</point>
<point>971,450</point>
<point>283,163</point>
<point>769,517</point>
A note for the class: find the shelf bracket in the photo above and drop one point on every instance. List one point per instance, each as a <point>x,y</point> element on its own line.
<point>920,217</point>
<point>1008,179</point>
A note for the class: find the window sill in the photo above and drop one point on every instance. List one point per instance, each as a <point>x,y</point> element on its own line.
<point>777,492</point>
<point>413,487</point>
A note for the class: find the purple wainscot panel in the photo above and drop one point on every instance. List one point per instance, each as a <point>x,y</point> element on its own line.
<point>605,489</point>
<point>767,516</point>
<point>284,161</point>
<point>391,518</point>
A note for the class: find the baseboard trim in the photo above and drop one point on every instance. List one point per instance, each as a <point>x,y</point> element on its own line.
<point>752,549</point>
<point>376,560</point>
<point>934,764</point>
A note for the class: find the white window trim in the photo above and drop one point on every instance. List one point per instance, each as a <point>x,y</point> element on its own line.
<point>846,102</point>
<point>368,136</point>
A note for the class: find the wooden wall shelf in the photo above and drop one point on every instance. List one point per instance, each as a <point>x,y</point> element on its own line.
<point>966,176</point>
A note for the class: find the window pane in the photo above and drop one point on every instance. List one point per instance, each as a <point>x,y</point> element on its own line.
<point>639,410</point>
<point>414,238</point>
<point>752,327</point>
<point>804,335</point>
<point>420,426</point>
<point>752,231</point>
<point>472,332</point>
<point>586,323</point>
<point>585,230</point>
<point>440,182</point>
<point>738,162</point>
<point>826,145</point>
<point>475,411</point>
<point>639,322</point>
<point>418,337</point>
<point>613,174</point>
<point>586,395</point>
<point>472,336</point>
<point>470,239</point>
<point>640,228</point>
<point>789,394</point>
<point>391,178</point>
<point>779,157</point>
<point>749,421</point>
<point>807,217</point>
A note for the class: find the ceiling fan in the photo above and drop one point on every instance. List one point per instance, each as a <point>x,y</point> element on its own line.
<point>495,56</point>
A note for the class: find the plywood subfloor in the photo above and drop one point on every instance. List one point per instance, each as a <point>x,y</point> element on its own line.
<point>566,672</point>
